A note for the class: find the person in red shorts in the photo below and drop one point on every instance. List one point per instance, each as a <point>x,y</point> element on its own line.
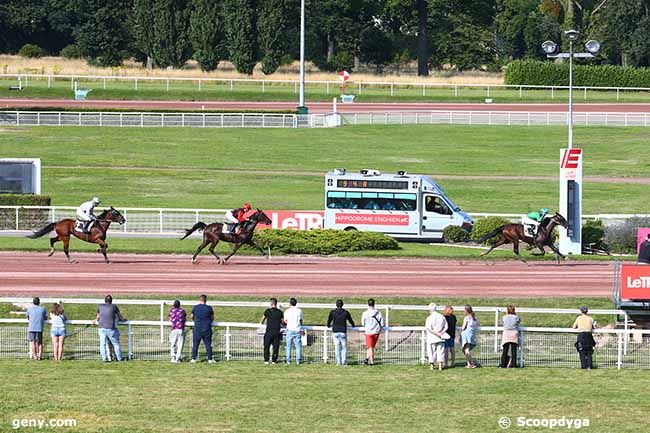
<point>372,322</point>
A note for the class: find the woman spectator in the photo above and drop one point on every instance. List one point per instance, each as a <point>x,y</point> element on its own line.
<point>468,336</point>
<point>510,338</point>
<point>57,330</point>
<point>450,350</point>
<point>585,343</point>
<point>436,327</point>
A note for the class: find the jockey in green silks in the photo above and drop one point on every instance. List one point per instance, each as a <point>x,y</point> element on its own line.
<point>533,220</point>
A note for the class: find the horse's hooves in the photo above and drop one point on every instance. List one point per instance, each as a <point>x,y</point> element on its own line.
<point>194,262</point>
<point>51,254</point>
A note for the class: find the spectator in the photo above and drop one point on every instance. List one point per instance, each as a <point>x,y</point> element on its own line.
<point>293,318</point>
<point>510,339</point>
<point>36,315</point>
<point>177,316</point>
<point>272,335</point>
<point>203,316</point>
<point>372,322</point>
<point>468,336</point>
<point>585,343</point>
<point>450,350</point>
<point>57,331</point>
<point>644,252</point>
<point>436,327</point>
<point>107,317</point>
<point>338,320</point>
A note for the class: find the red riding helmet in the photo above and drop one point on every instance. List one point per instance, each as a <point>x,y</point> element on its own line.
<point>247,206</point>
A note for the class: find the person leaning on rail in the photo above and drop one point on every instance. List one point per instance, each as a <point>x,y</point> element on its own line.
<point>585,343</point>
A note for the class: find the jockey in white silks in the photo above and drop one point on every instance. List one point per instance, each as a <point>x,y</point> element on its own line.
<point>85,213</point>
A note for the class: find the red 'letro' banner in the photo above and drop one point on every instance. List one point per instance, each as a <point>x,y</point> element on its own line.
<point>635,282</point>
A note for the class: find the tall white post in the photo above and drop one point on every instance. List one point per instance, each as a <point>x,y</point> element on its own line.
<point>570,94</point>
<point>301,102</point>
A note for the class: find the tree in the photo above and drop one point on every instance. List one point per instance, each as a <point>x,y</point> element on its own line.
<point>241,36</point>
<point>143,29</point>
<point>171,45</point>
<point>205,33</point>
<point>272,26</point>
<point>423,37</point>
<point>103,35</point>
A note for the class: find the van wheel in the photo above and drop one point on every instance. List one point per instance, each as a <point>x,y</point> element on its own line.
<point>350,229</point>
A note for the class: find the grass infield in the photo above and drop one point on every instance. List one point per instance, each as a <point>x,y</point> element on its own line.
<point>252,397</point>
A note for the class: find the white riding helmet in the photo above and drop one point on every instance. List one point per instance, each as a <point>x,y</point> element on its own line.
<point>96,200</point>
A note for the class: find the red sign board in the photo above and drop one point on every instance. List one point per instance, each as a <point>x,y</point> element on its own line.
<point>570,163</point>
<point>641,235</point>
<point>635,282</point>
<point>299,220</point>
<point>371,219</point>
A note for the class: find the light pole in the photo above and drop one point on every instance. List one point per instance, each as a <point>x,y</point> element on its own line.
<point>301,102</point>
<point>570,158</point>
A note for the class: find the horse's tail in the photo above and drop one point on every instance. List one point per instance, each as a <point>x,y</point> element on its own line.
<point>45,230</point>
<point>494,232</point>
<point>195,227</point>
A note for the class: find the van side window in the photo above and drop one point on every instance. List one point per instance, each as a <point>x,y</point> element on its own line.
<point>371,201</point>
<point>436,205</point>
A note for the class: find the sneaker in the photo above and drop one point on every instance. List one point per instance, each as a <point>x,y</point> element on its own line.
<point>273,363</point>
<point>211,361</point>
<point>193,361</point>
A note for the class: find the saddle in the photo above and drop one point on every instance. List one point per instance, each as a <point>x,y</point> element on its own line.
<point>80,226</point>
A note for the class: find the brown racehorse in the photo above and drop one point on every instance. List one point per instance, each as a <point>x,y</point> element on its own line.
<point>66,227</point>
<point>514,233</point>
<point>213,233</point>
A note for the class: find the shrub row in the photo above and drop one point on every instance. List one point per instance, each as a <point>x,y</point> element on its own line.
<point>533,72</point>
<point>24,200</point>
<point>323,241</point>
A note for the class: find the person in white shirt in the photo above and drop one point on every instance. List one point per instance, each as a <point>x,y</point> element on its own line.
<point>293,318</point>
<point>85,213</point>
<point>436,327</point>
<point>372,322</point>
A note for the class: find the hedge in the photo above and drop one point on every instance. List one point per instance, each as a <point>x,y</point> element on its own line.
<point>322,241</point>
<point>621,238</point>
<point>30,51</point>
<point>24,200</point>
<point>533,72</point>
<point>455,234</point>
<point>484,226</point>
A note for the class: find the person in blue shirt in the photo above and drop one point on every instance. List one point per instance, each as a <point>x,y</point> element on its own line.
<point>36,315</point>
<point>203,316</point>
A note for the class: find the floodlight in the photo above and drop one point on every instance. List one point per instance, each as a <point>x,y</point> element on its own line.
<point>549,47</point>
<point>592,46</point>
<point>572,35</point>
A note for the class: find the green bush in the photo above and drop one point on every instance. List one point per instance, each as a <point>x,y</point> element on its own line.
<point>24,200</point>
<point>455,234</point>
<point>71,52</point>
<point>593,233</point>
<point>31,51</point>
<point>484,226</point>
<point>621,238</point>
<point>533,72</point>
<point>322,241</point>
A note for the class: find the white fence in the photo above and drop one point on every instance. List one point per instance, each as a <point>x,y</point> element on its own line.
<point>539,347</point>
<point>325,86</point>
<point>169,221</point>
<point>263,120</point>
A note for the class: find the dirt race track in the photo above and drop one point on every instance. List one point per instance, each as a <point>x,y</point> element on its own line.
<point>34,273</point>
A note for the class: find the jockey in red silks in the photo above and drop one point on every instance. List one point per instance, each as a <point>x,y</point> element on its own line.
<point>236,217</point>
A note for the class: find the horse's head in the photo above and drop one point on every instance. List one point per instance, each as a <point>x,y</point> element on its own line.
<point>113,215</point>
<point>559,220</point>
<point>261,217</point>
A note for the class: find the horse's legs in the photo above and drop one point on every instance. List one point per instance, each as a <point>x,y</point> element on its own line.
<point>66,244</point>
<point>52,242</point>
<point>515,249</point>
<point>262,252</point>
<point>234,250</point>
<point>498,243</point>
<point>200,248</point>
<point>212,251</point>
<point>103,246</point>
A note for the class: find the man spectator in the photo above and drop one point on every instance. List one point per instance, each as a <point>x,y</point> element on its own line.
<point>293,318</point>
<point>436,327</point>
<point>338,320</point>
<point>203,316</point>
<point>274,320</point>
<point>372,322</point>
<point>107,318</point>
<point>177,317</point>
<point>644,252</point>
<point>36,315</point>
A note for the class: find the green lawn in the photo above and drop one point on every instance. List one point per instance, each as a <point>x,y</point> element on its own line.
<point>156,167</point>
<point>250,397</point>
<point>223,91</point>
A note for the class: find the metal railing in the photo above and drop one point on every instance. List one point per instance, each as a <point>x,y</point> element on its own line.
<point>539,347</point>
<point>420,89</point>
<point>174,221</point>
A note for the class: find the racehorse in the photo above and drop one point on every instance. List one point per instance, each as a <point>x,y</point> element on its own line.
<point>213,233</point>
<point>97,234</point>
<point>513,233</point>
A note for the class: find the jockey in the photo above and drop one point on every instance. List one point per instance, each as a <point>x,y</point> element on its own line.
<point>85,213</point>
<point>237,216</point>
<point>533,220</point>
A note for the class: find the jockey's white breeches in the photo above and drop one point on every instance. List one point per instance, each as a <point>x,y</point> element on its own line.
<point>231,218</point>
